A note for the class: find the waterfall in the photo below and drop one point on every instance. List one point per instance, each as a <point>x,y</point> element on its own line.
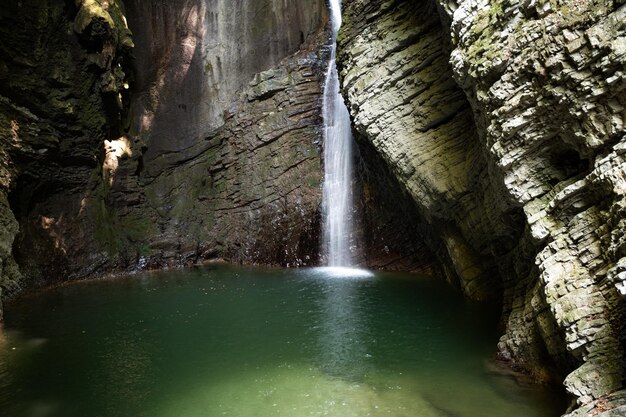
<point>337,191</point>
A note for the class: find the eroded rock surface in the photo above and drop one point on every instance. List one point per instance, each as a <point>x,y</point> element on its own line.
<point>61,89</point>
<point>501,124</point>
<point>191,140</point>
<point>547,84</point>
<point>249,192</point>
<point>194,56</point>
<point>406,104</point>
<point>546,88</point>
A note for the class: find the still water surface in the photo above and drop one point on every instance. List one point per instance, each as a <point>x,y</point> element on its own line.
<point>228,341</point>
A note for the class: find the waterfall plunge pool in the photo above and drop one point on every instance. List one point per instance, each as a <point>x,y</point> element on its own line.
<point>231,341</point>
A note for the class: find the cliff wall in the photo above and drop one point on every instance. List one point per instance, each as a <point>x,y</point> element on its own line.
<point>197,137</point>
<point>61,89</point>
<point>149,134</point>
<point>504,120</point>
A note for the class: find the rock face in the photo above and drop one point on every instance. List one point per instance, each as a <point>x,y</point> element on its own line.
<point>406,104</point>
<point>391,232</point>
<point>61,73</point>
<point>232,120</point>
<point>525,165</point>
<point>492,137</point>
<point>184,142</point>
<point>249,192</point>
<point>554,124</point>
<point>194,56</point>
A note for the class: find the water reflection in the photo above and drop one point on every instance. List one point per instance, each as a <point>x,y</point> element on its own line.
<point>5,375</point>
<point>127,365</point>
<point>232,343</point>
<point>343,329</point>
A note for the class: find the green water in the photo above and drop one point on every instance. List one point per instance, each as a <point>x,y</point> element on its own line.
<point>228,341</point>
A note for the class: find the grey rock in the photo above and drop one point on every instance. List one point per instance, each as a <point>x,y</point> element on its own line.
<point>531,181</point>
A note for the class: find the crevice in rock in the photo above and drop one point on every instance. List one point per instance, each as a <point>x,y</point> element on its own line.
<point>394,232</point>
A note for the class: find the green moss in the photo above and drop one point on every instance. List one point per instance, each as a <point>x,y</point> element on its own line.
<point>313,182</point>
<point>106,227</point>
<point>118,235</point>
<point>135,226</point>
<point>91,10</point>
<point>486,48</point>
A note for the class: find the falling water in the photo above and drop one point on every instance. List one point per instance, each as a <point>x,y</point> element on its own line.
<point>337,160</point>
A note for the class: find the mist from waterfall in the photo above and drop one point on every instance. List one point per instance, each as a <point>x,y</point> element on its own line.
<point>337,192</point>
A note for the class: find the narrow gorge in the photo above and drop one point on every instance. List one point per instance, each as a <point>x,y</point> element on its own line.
<point>490,153</point>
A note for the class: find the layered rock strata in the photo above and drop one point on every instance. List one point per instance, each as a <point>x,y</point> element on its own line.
<point>405,103</point>
<point>540,146</point>
<point>249,192</point>
<point>547,82</point>
<point>391,233</point>
<point>193,58</point>
<point>123,157</point>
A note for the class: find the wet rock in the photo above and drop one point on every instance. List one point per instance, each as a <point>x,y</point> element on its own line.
<point>248,192</point>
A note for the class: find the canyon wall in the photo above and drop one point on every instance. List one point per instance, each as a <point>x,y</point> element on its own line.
<point>504,121</point>
<point>196,137</point>
<point>61,75</point>
<point>149,134</point>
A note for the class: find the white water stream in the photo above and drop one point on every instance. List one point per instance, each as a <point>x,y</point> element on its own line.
<point>337,198</point>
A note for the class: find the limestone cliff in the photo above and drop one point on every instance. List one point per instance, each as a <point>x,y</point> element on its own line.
<point>546,82</point>
<point>225,120</point>
<point>197,137</point>
<point>521,167</point>
<point>405,103</point>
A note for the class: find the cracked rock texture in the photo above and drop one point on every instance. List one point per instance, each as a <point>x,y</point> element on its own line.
<point>249,192</point>
<point>405,104</point>
<point>193,57</point>
<point>178,143</point>
<point>521,166</point>
<point>149,134</point>
<point>223,160</point>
